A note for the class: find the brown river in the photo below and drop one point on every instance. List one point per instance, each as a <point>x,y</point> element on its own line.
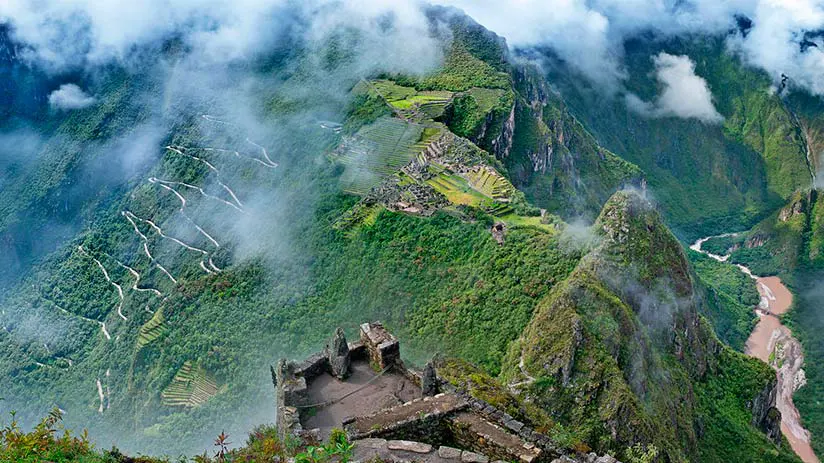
<point>773,343</point>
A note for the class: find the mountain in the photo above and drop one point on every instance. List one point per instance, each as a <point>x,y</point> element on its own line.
<point>193,220</point>
<point>724,175</point>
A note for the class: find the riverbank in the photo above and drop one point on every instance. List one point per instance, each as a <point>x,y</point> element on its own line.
<point>773,343</point>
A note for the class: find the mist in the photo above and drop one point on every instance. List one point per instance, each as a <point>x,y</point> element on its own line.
<point>70,96</point>
<point>677,76</point>
<point>247,80</point>
<point>589,36</point>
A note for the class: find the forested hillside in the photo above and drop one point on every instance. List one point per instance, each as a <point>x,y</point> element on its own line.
<point>173,222</point>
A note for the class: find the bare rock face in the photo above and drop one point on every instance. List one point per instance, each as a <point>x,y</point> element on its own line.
<point>339,355</point>
<point>765,415</point>
<point>429,381</point>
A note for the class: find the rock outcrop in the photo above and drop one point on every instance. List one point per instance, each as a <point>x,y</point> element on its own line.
<point>765,416</point>
<point>429,381</point>
<point>338,352</point>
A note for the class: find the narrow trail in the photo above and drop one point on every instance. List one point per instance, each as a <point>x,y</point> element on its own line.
<point>146,247</point>
<point>267,162</point>
<point>136,276</point>
<point>182,211</point>
<point>160,233</point>
<point>100,396</point>
<point>528,379</point>
<point>90,320</point>
<point>179,150</point>
<point>773,343</point>
<point>109,279</point>
<point>199,189</point>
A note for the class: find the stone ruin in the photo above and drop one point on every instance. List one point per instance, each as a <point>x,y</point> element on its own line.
<point>397,414</point>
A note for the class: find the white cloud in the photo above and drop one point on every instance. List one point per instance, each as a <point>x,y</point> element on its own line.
<point>683,93</point>
<point>589,34</point>
<point>70,96</point>
<point>62,34</point>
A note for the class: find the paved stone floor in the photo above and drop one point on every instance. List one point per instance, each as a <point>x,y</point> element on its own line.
<point>387,391</point>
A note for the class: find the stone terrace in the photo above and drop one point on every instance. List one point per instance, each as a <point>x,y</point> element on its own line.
<point>395,413</point>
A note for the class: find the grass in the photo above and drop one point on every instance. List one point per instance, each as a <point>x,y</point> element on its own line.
<point>408,100</point>
<point>457,190</point>
<point>491,183</point>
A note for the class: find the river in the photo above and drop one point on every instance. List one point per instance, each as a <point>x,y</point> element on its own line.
<point>774,343</point>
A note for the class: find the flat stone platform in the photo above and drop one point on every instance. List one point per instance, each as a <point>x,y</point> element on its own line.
<point>362,397</point>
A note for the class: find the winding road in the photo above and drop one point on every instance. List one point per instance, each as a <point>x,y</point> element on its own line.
<point>109,279</point>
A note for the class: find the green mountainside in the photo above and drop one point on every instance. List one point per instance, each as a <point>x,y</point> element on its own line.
<point>448,205</point>
<point>789,243</point>
<point>708,178</point>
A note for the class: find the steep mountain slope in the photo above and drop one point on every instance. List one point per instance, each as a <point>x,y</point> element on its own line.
<point>620,353</point>
<point>548,154</point>
<point>788,243</point>
<point>340,195</point>
<point>709,177</point>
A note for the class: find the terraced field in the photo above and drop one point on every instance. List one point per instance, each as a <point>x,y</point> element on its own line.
<point>377,151</point>
<point>191,386</point>
<point>152,329</point>
<point>457,190</point>
<point>408,101</point>
<point>487,98</point>
<point>491,183</point>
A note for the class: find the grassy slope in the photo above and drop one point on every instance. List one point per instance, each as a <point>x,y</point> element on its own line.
<point>730,300</point>
<point>578,177</point>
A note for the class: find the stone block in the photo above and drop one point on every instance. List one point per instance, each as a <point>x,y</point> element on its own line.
<point>449,453</point>
<point>472,457</point>
<point>383,347</point>
<point>429,381</point>
<point>338,354</point>
<point>371,443</point>
<point>408,446</point>
<point>514,425</point>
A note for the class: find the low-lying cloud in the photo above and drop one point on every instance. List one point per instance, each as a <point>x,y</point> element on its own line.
<point>589,35</point>
<point>683,93</point>
<point>70,96</point>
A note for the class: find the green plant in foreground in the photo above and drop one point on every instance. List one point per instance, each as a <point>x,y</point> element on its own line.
<point>640,453</point>
<point>338,448</point>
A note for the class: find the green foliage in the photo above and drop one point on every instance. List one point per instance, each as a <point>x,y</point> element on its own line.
<point>469,112</point>
<point>730,301</point>
<point>709,179</point>
<point>364,109</point>
<point>640,453</point>
<point>557,163</point>
<point>460,72</point>
<point>723,397</point>
<point>807,324</point>
<point>338,448</point>
<point>46,443</point>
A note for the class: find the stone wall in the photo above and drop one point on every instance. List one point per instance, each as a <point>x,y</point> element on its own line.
<point>443,419</point>
<point>292,379</point>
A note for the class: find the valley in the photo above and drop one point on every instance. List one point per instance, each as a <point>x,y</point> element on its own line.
<point>178,214</point>
<point>774,344</point>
